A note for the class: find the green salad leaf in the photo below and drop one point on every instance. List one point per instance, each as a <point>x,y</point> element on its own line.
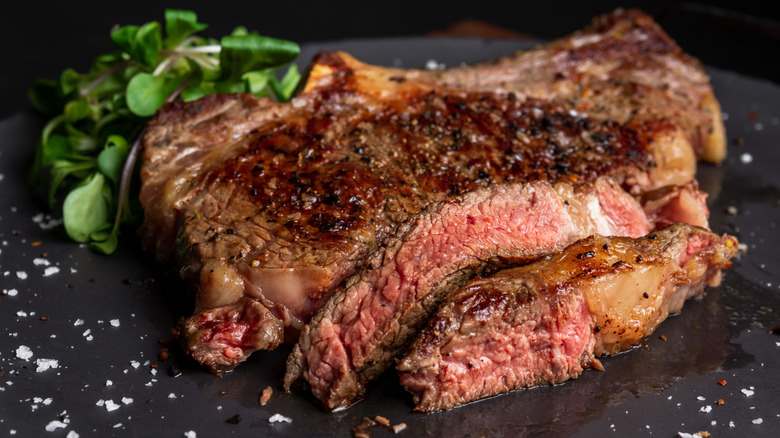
<point>86,154</point>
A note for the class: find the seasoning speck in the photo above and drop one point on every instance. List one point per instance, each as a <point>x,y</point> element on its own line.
<point>746,158</point>
<point>265,396</point>
<point>748,392</point>
<point>758,421</point>
<point>109,383</point>
<point>78,322</point>
<point>114,322</point>
<point>22,275</point>
<point>706,409</point>
<point>72,434</point>
<point>190,434</point>
<point>127,400</point>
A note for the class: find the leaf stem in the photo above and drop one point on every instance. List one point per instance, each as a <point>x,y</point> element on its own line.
<point>105,75</point>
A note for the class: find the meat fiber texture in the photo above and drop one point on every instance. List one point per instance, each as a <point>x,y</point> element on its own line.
<point>266,208</point>
<point>544,323</point>
<point>361,328</point>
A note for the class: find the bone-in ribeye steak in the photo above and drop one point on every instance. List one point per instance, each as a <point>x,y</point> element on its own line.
<point>267,208</point>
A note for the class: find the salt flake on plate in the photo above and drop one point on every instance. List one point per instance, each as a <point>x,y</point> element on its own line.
<point>54,425</point>
<point>747,392</point>
<point>40,261</point>
<point>279,418</point>
<point>51,270</point>
<point>45,364</point>
<point>23,352</point>
<point>114,322</point>
<point>111,406</point>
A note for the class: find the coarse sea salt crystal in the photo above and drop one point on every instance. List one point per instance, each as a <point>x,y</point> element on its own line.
<point>21,313</point>
<point>758,421</point>
<point>40,261</point>
<point>190,434</point>
<point>14,292</point>
<point>109,383</point>
<point>127,400</point>
<point>700,398</point>
<point>748,392</point>
<point>746,158</point>
<point>54,425</point>
<point>706,409</point>
<point>21,275</point>
<point>78,322</point>
<point>135,364</point>
<point>72,434</point>
<point>111,406</point>
<point>51,270</point>
<point>23,352</point>
<point>45,364</point>
<point>279,418</point>
<point>114,322</point>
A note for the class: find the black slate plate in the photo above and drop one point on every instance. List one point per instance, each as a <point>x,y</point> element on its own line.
<point>101,317</point>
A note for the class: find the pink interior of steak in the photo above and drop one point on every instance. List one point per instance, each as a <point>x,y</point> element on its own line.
<point>497,348</point>
<point>356,333</point>
<point>541,323</point>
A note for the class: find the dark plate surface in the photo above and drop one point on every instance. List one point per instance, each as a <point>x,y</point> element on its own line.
<point>100,319</point>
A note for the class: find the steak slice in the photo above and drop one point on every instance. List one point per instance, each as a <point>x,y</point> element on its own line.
<point>361,328</point>
<point>544,322</point>
<point>266,208</point>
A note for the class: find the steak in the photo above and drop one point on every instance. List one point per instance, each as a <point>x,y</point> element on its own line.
<point>267,208</point>
<point>361,328</point>
<point>545,322</point>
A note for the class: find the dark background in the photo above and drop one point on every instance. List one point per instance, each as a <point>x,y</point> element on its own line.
<point>40,39</point>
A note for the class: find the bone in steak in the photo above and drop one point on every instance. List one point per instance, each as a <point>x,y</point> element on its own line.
<point>360,329</point>
<point>544,322</point>
<point>266,208</point>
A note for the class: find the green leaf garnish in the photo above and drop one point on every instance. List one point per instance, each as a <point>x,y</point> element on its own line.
<point>84,147</point>
<point>85,209</point>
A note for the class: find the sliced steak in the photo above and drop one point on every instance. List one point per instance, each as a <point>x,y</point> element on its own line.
<point>543,323</point>
<point>266,208</point>
<point>360,329</point>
